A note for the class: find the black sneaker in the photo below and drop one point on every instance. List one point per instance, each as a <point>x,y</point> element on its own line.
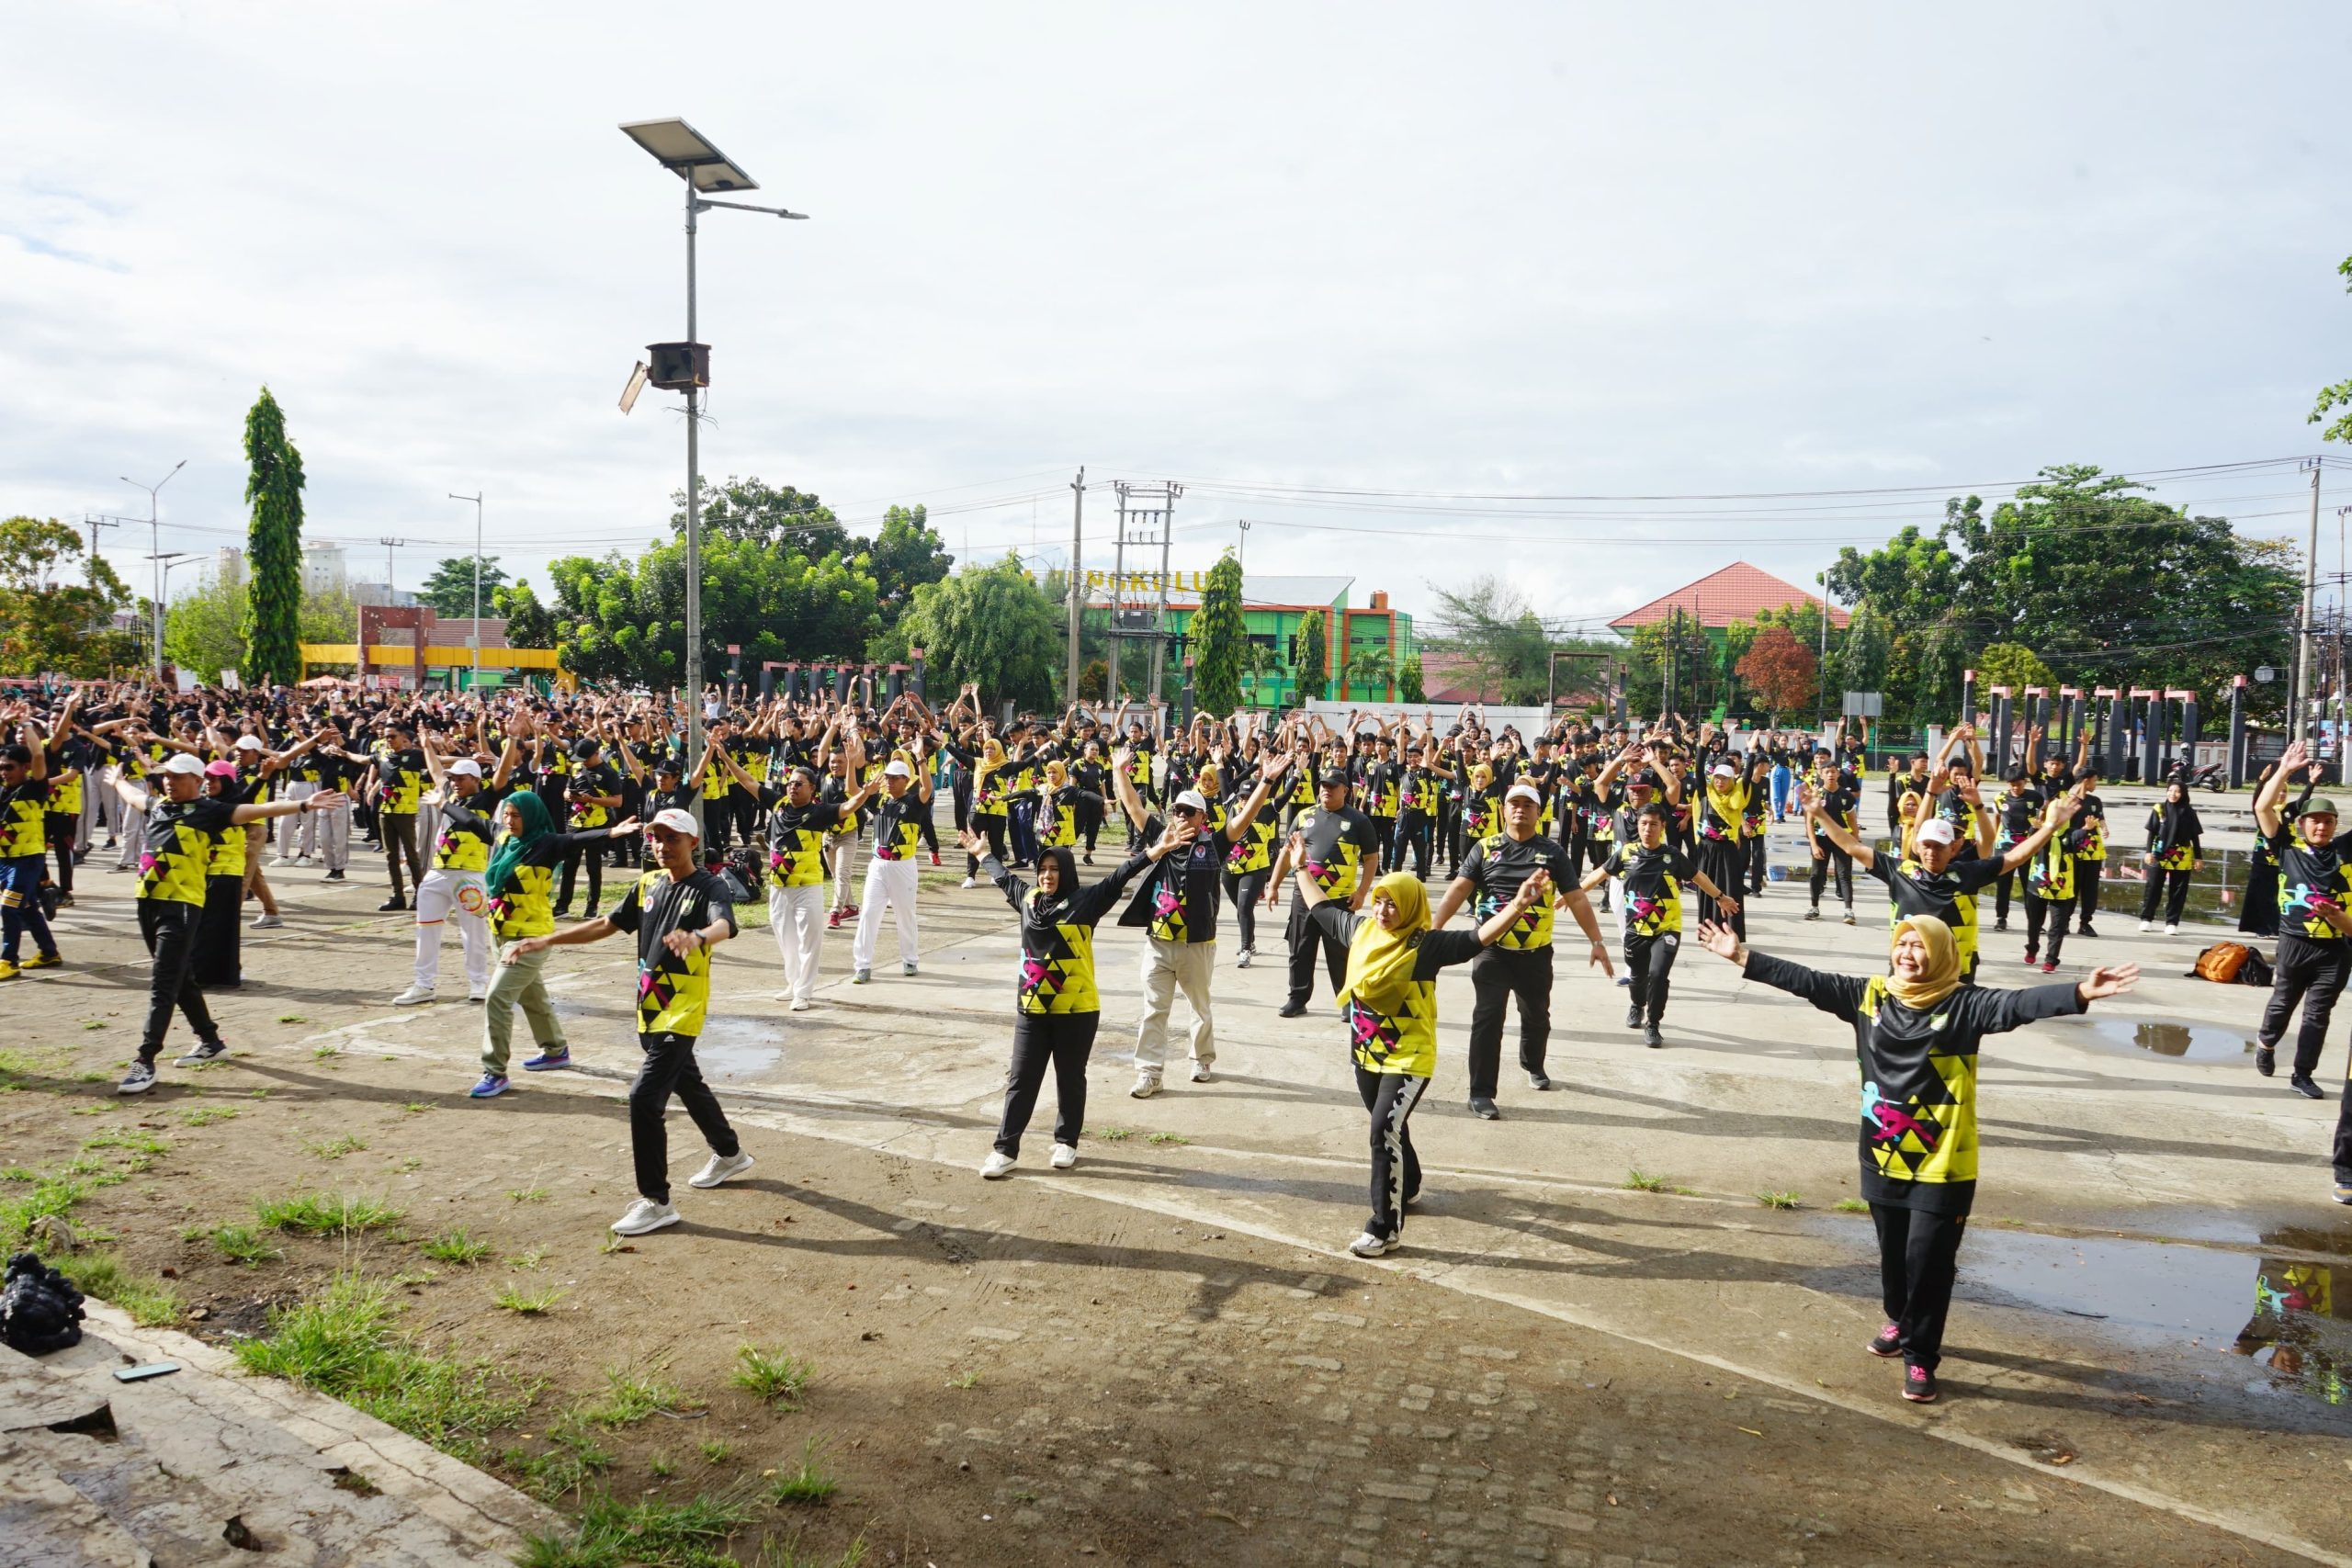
<point>1483,1109</point>
<point>1651,1038</point>
<point>2266,1059</point>
<point>1887,1342</point>
<point>1918,1385</point>
<point>1814,913</point>
<point>389,904</point>
<point>2086,930</point>
<point>2301,1083</point>
<point>2000,925</point>
<point>1634,1016</point>
<point>206,1051</point>
<point>1293,1010</point>
<point>332,877</point>
<point>1538,1080</point>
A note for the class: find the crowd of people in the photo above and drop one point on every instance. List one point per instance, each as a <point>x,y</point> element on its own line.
<point>501,813</point>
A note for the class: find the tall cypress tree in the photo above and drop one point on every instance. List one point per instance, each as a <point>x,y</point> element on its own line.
<point>1309,661</point>
<point>1217,633</point>
<point>273,550</point>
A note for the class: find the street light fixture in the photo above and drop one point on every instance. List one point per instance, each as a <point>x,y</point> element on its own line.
<point>686,152</point>
<point>154,543</point>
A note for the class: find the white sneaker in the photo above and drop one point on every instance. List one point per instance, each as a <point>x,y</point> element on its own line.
<point>643,1217</point>
<point>2147,925</point>
<point>720,1167</point>
<point>284,859</point>
<point>970,884</point>
<point>2172,930</point>
<point>1364,1246</point>
<point>998,1166</point>
<point>267,922</point>
<point>138,1080</point>
<point>1147,1085</point>
<point>413,996</point>
<point>1200,1072</point>
<point>1242,962</point>
<point>800,1004</point>
<point>908,967</point>
<point>1063,1156</point>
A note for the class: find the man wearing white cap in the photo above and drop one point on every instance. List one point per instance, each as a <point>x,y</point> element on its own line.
<point>181,823</point>
<point>1518,962</point>
<point>890,874</point>
<point>678,912</point>
<point>461,856</point>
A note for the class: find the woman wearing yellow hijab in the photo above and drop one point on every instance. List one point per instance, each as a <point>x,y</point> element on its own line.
<point>1917,1030</point>
<point>1390,998</point>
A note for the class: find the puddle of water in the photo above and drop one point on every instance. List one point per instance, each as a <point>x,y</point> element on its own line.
<point>738,1055</point>
<point>2182,1041</point>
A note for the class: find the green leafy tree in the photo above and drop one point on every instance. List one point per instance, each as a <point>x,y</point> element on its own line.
<point>204,630</point>
<point>1309,658</point>
<point>1219,636</point>
<point>272,626</point>
<point>2338,397</point>
<point>450,590</point>
<point>1409,680</point>
<point>2014,665</point>
<point>1261,663</point>
<point>906,554</point>
<point>50,624</point>
<point>528,623</point>
<point>1677,645</point>
<point>991,624</point>
<point>755,511</point>
<point>1862,661</point>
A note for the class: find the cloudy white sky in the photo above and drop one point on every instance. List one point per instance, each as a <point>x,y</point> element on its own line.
<point>1491,250</point>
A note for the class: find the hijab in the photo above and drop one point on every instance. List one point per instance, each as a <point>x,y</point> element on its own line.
<point>514,848</point>
<point>2180,823</point>
<point>1047,908</point>
<point>1380,960</point>
<point>1941,976</point>
<point>1727,801</point>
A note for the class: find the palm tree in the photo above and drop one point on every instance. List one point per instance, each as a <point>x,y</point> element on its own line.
<point>1370,667</point>
<point>1258,661</point>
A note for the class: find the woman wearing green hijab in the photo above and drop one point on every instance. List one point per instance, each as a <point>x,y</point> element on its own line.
<point>520,885</point>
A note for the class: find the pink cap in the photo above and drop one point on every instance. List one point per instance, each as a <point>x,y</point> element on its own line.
<point>221,769</point>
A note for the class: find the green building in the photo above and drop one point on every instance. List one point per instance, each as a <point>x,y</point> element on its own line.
<point>1363,647</point>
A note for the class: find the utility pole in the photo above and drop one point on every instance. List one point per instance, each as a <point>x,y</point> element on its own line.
<point>1118,588</point>
<point>1241,555</point>
<point>1076,589</point>
<point>1159,615</point>
<point>92,522</point>
<point>155,545</point>
<point>2300,693</point>
<point>389,544</point>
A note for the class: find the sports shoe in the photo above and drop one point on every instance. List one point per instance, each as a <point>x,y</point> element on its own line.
<point>283,860</point>
<point>908,967</point>
<point>481,995</point>
<point>998,1166</point>
<point>851,910</point>
<point>1625,980</point>
<point>2086,930</point>
<point>204,1051</point>
<point>1202,1073</point>
<point>2000,925</point>
<point>2033,957</point>
<point>969,884</point>
<point>1849,916</point>
<point>10,968</point>
<point>1369,1245</point>
<point>863,977</point>
<point>2049,966</point>
<point>416,995</point>
<point>720,1168</point>
<point>2266,1060</point>
<point>1242,959</point>
<point>2301,1083</point>
<point>643,1217</point>
<point>1888,1343</point>
<point>2343,1191</point>
<point>389,904</point>
<point>492,1086</point>
<point>1065,1156</point>
<point>65,901</point>
<point>1483,1109</point>
<point>1292,1009</point>
<point>1147,1085</point>
<point>1918,1385</point>
<point>43,961</point>
<point>834,919</point>
<point>138,1080</point>
<point>800,1004</point>
<point>2147,925</point>
<point>1814,913</point>
<point>935,857</point>
<point>1537,1080</point>
<point>1650,1036</point>
<point>2172,930</point>
<point>333,876</point>
<point>266,921</point>
<point>549,1059</point>
<point>1634,1016</point>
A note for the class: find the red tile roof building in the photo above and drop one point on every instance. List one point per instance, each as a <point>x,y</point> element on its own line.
<point>1735,593</point>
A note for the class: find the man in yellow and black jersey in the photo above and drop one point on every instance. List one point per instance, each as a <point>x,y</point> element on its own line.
<point>1338,848</point>
<point>1519,962</point>
<point>1417,816</point>
<point>592,794</point>
<point>678,912</point>
<point>454,886</point>
<point>797,826</point>
<point>24,853</point>
<point>890,875</point>
<point>63,760</point>
<point>1653,872</point>
<point>180,825</point>
<point>400,784</point>
<point>1249,859</point>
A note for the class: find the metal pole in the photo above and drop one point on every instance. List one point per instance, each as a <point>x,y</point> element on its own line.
<point>694,527</point>
<point>1159,613</point>
<point>155,543</point>
<point>2299,696</point>
<point>1118,588</point>
<point>1076,590</point>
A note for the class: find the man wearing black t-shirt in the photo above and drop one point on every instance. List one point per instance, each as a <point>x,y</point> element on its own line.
<point>1340,849</point>
<point>2314,951</point>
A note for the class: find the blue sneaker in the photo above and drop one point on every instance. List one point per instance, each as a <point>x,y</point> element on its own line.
<point>492,1085</point>
<point>548,1061</point>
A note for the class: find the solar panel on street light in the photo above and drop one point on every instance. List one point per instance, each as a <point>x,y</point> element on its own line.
<point>685,151</point>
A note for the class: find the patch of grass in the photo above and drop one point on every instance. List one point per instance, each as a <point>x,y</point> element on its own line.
<point>94,1023</point>
<point>343,1343</point>
<point>969,1379</point>
<point>414,1277</point>
<point>1853,1206</point>
<point>774,1376</point>
<point>205,1115</point>
<point>241,1245</point>
<point>530,1303</point>
<point>776,1553</point>
<point>660,1467</point>
<point>572,1458</point>
<point>715,1451</point>
<point>261,1093</point>
<point>1168,1138</point>
<point>610,1533</point>
<point>416,1107</point>
<point>297,1018</point>
<point>325,1053</point>
<point>530,1259</point>
<point>150,1302</point>
<point>51,1195</point>
<point>324,1214</point>
<point>412,1162</point>
<point>526,1194</point>
<point>457,1245</point>
<point>19,1173</point>
<point>137,1141</point>
<point>628,1398</point>
<point>334,1148</point>
<point>811,1484</point>
<point>1781,1199</point>
<point>1114,1134</point>
<point>1639,1180</point>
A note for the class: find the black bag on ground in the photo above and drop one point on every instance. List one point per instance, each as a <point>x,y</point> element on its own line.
<point>39,1310</point>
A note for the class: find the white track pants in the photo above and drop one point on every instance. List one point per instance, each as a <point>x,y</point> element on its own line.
<point>440,897</point>
<point>797,915</point>
<point>889,882</point>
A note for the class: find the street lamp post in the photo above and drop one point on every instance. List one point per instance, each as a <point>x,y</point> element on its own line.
<point>164,560</point>
<point>476,638</point>
<point>154,543</point>
<point>684,151</point>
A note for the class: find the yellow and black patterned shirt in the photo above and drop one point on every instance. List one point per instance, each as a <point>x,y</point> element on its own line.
<point>180,835</point>
<point>1403,1041</point>
<point>672,989</point>
<point>1499,865</point>
<point>24,820</point>
<point>1057,937</point>
<point>796,837</point>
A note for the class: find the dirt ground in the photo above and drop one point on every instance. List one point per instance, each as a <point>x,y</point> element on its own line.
<point>1003,1374</point>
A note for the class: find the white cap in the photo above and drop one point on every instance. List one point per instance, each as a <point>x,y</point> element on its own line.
<point>897,768</point>
<point>183,763</point>
<point>677,822</point>
<point>1194,799</point>
<point>250,743</point>
<point>1724,771</point>
<point>464,767</point>
<point>1529,790</point>
<point>1935,831</point>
